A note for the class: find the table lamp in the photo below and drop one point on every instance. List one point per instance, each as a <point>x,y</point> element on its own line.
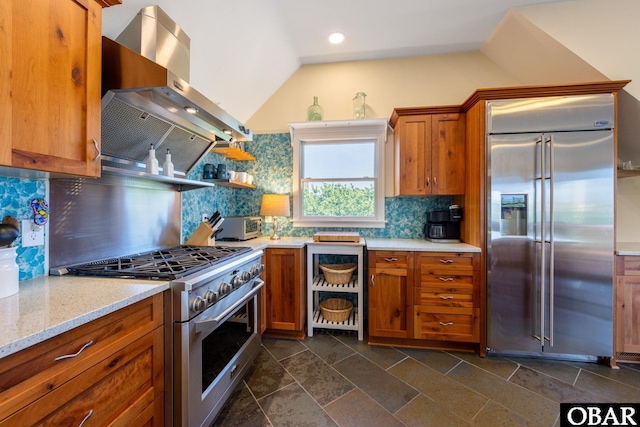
<point>275,205</point>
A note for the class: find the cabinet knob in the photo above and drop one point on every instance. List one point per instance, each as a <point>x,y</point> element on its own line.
<point>391,259</point>
<point>373,280</point>
<point>428,182</point>
<point>446,324</point>
<point>446,261</point>
<point>435,181</point>
<point>84,420</point>
<point>446,279</point>
<point>446,297</point>
<point>70,356</point>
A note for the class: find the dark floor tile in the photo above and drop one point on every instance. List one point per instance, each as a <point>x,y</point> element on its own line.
<point>435,359</point>
<point>563,371</point>
<point>356,409</point>
<point>319,379</point>
<point>518,399</point>
<point>241,410</point>
<point>381,356</point>
<point>634,366</point>
<point>446,392</point>
<point>495,415</point>
<point>497,365</point>
<point>551,388</point>
<point>292,406</point>
<point>267,376</point>
<point>328,348</point>
<point>383,387</point>
<point>625,375</point>
<point>607,389</point>
<point>281,348</point>
<point>423,411</point>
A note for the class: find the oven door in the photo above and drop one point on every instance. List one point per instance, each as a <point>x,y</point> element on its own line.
<point>213,352</point>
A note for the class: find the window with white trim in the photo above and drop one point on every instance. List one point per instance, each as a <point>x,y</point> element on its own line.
<point>338,173</point>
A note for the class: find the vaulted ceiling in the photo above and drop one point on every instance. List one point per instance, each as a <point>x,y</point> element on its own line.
<point>242,51</point>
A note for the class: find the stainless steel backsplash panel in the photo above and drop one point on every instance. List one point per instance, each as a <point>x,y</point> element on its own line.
<point>111,216</point>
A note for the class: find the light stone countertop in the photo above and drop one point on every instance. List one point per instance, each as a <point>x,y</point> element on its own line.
<point>628,248</point>
<point>417,245</point>
<point>266,242</point>
<point>50,305</point>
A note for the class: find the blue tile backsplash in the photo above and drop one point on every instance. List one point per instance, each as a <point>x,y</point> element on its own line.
<point>15,198</point>
<point>273,171</point>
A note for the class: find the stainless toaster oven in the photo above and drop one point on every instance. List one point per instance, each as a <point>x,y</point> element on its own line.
<point>240,228</point>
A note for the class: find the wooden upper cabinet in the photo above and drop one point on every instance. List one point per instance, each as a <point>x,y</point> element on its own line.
<point>50,85</point>
<point>429,152</point>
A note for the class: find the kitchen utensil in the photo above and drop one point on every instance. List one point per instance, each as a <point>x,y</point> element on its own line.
<point>241,177</point>
<point>231,175</point>
<point>209,171</point>
<point>249,179</point>
<point>213,218</point>
<point>221,172</point>
<point>11,221</point>
<point>8,233</point>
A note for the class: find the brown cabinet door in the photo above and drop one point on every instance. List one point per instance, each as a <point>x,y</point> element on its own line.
<point>285,301</point>
<point>53,59</point>
<point>448,154</point>
<point>628,314</point>
<point>413,155</point>
<point>390,301</point>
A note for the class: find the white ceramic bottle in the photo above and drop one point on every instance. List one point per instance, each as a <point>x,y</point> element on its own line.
<point>152,162</point>
<point>167,167</point>
<point>8,272</point>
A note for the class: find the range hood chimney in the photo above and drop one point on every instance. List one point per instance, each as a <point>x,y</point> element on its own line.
<point>147,100</point>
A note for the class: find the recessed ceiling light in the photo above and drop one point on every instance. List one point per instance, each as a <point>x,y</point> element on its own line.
<point>336,38</point>
<point>190,109</point>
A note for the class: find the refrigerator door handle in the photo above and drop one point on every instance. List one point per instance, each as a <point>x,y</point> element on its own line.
<point>543,235</point>
<point>551,241</point>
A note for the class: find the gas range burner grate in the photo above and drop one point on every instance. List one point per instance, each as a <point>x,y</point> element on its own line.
<point>167,264</point>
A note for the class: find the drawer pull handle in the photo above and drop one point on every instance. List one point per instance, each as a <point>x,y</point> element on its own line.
<point>69,356</point>
<point>373,280</point>
<point>446,297</point>
<point>391,259</point>
<point>95,144</point>
<point>446,261</point>
<point>446,324</point>
<point>86,418</point>
<point>446,279</point>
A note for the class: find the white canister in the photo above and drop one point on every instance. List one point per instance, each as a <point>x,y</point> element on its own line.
<point>241,177</point>
<point>8,272</point>
<point>232,175</point>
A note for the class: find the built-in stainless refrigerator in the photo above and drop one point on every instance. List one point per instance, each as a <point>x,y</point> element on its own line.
<point>550,242</point>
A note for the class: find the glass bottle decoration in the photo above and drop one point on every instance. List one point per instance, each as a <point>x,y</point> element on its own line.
<point>359,106</point>
<point>167,167</point>
<point>315,112</point>
<point>152,162</point>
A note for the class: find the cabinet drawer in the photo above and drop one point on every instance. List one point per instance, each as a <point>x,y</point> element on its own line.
<point>446,262</point>
<point>628,265</point>
<point>113,392</point>
<point>451,297</point>
<point>449,324</point>
<point>462,280</point>
<point>391,259</point>
<point>34,372</point>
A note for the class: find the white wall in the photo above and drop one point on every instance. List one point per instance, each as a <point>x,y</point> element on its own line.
<point>404,82</point>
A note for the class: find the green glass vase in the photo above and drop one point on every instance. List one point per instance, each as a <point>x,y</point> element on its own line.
<point>315,112</point>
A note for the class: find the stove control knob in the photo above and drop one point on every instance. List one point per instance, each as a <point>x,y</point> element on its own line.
<point>224,289</point>
<point>236,282</point>
<point>260,268</point>
<point>211,297</point>
<point>198,304</point>
<point>245,276</point>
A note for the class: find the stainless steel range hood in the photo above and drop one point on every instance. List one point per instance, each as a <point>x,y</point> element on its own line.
<point>147,100</point>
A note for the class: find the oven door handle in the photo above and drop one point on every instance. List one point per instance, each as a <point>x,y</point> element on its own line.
<point>212,322</point>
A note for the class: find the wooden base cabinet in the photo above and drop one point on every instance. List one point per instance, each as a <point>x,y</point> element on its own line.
<point>627,306</point>
<point>425,299</point>
<point>107,372</point>
<point>390,294</point>
<point>285,302</point>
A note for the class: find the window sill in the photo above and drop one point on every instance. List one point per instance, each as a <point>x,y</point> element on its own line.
<point>339,224</point>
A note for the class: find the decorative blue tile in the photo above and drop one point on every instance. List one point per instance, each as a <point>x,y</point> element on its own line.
<point>273,172</point>
<point>15,198</point>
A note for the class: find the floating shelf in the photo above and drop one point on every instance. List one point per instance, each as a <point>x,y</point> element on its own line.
<point>233,153</point>
<point>231,184</point>
<point>627,173</point>
<point>180,184</point>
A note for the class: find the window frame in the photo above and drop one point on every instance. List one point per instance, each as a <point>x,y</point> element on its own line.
<point>335,131</point>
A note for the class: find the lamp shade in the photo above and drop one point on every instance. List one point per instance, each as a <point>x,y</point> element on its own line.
<point>275,205</point>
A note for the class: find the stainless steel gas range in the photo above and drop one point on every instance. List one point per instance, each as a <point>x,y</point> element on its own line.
<point>215,303</point>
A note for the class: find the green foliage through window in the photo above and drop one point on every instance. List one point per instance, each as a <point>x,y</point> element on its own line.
<point>328,199</point>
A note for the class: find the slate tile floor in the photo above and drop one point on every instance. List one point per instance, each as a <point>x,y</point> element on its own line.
<point>332,379</point>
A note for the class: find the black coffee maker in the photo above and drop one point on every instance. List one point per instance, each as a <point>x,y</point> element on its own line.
<point>444,226</point>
